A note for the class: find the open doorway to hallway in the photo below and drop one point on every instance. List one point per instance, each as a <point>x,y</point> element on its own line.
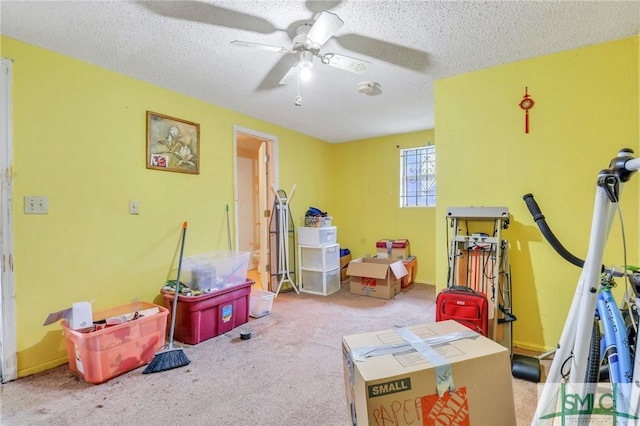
<point>255,173</point>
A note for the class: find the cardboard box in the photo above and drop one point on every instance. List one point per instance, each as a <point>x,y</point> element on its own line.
<point>344,262</point>
<point>411,265</point>
<point>376,277</point>
<point>393,249</point>
<point>399,388</point>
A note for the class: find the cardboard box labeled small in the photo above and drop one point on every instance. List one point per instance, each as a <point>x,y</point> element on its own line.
<point>389,385</point>
<point>393,249</point>
<point>376,277</point>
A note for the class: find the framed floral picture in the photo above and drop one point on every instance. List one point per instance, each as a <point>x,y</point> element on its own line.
<point>173,144</point>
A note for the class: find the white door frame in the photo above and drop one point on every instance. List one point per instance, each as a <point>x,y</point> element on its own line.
<point>8,347</point>
<point>264,229</point>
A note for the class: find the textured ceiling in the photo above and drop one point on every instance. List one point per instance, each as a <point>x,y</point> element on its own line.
<point>185,46</point>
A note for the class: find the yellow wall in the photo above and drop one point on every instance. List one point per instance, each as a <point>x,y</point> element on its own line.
<point>586,110</point>
<point>366,182</point>
<point>79,139</point>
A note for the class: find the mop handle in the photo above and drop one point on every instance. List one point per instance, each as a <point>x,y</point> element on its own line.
<point>228,228</point>
<point>174,309</point>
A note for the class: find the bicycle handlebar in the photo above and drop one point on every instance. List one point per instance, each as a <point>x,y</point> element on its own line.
<point>622,167</point>
<point>632,165</point>
<point>538,217</point>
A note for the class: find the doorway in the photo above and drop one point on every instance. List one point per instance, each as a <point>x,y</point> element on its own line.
<point>255,171</point>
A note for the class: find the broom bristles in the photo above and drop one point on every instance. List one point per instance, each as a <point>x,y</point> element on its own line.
<point>167,360</point>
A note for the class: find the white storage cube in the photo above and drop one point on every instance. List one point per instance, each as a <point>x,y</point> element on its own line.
<point>317,236</point>
<point>321,258</point>
<point>322,283</point>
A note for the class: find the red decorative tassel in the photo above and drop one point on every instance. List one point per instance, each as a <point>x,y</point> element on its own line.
<point>526,104</point>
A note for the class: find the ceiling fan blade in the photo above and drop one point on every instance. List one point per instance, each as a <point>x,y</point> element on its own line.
<point>324,28</point>
<point>271,80</point>
<point>291,75</point>
<point>260,46</point>
<point>317,6</point>
<point>347,63</point>
<point>206,13</point>
<point>392,53</point>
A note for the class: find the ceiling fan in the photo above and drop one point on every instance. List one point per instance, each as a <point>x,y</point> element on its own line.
<point>214,13</point>
<point>307,43</point>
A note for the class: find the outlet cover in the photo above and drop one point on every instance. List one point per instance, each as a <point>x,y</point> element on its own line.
<point>36,204</point>
<point>134,207</point>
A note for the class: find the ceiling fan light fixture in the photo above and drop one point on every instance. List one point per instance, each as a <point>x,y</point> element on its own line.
<point>305,64</point>
<point>305,73</point>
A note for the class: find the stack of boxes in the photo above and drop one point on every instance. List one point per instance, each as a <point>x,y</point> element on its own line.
<point>399,249</point>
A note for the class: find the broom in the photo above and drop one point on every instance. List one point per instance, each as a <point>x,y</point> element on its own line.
<point>171,357</point>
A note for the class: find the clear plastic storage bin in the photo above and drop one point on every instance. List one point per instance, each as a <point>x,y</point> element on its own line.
<point>215,270</point>
<point>322,258</point>
<point>261,303</point>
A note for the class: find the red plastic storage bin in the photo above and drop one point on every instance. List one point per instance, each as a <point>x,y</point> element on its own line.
<point>103,354</point>
<point>208,315</point>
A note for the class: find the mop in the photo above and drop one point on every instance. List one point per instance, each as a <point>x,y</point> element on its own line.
<point>171,357</point>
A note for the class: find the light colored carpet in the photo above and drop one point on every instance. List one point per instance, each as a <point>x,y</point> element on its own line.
<point>288,373</point>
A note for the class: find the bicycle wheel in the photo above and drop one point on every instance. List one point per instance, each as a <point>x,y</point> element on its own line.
<point>593,361</point>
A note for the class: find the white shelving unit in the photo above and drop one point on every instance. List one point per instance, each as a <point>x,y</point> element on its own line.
<point>318,260</point>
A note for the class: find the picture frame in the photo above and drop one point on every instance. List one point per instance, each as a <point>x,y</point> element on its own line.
<point>173,144</point>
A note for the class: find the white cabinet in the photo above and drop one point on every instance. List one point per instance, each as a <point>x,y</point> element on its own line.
<point>322,283</point>
<point>317,236</point>
<point>319,264</point>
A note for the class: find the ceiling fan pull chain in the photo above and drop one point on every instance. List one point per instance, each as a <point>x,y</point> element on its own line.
<point>298,101</point>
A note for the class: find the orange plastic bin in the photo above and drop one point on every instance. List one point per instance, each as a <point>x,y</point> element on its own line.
<point>100,355</point>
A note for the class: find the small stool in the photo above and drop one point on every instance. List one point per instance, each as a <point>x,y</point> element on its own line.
<point>411,265</point>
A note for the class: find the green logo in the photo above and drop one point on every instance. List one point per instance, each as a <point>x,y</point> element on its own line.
<point>592,404</point>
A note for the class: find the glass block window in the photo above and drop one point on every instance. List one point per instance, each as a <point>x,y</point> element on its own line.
<point>418,177</point>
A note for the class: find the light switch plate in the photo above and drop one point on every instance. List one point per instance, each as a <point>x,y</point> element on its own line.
<point>134,207</point>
